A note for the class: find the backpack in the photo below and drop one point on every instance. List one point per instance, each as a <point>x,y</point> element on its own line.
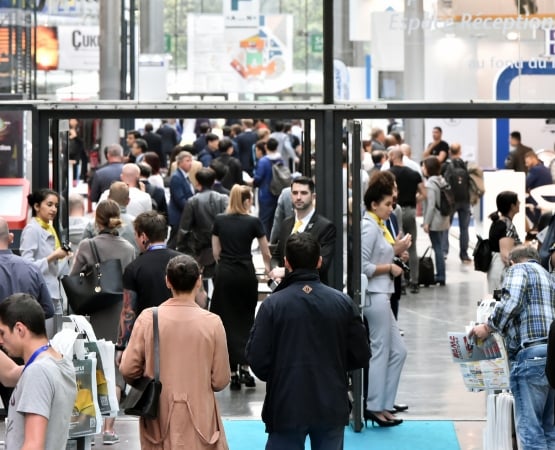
<point>281,177</point>
<point>482,255</point>
<point>475,183</point>
<point>446,200</point>
<point>458,179</point>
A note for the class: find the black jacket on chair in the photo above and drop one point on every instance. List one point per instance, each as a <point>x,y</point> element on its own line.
<point>322,229</point>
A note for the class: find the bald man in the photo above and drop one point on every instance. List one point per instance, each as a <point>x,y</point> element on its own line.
<point>139,201</point>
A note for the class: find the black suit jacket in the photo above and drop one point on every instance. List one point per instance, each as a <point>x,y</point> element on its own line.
<point>322,229</point>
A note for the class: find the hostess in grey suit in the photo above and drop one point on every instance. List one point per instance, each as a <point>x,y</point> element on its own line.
<point>388,349</point>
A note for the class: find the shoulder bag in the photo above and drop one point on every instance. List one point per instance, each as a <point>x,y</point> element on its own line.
<point>97,286</point>
<point>482,254</point>
<point>144,397</point>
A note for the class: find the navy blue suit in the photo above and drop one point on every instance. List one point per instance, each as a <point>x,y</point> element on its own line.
<point>245,142</point>
<point>180,191</point>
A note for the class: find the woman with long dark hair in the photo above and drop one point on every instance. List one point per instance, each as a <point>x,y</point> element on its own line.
<point>40,242</point>
<point>503,237</point>
<point>235,283</point>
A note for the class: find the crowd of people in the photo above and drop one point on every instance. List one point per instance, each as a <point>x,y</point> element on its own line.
<point>181,220</point>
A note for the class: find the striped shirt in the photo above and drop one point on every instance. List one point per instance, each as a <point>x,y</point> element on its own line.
<point>527,306</point>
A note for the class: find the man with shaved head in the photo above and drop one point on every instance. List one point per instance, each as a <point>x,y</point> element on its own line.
<point>139,201</point>
<point>410,187</point>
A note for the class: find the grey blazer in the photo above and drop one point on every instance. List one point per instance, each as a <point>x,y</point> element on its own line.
<point>375,250</point>
<point>35,246</point>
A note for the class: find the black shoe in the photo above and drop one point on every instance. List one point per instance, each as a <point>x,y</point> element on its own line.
<point>414,288</point>
<point>398,408</point>
<point>235,384</point>
<point>246,378</point>
<point>369,415</point>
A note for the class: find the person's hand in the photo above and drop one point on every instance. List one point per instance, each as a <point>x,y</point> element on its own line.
<point>395,270</point>
<point>60,253</point>
<point>277,274</point>
<point>118,357</point>
<point>481,331</point>
<point>426,228</point>
<point>402,244</point>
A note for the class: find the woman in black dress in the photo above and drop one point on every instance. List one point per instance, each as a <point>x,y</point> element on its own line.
<point>235,283</point>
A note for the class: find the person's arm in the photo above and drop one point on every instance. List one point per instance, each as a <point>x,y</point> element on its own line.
<point>216,247</point>
<point>9,371</point>
<point>279,216</point>
<point>35,432</point>
<point>506,244</point>
<point>429,207</point>
<point>358,347</point>
<point>220,373</point>
<point>266,255</point>
<point>327,246</point>
<point>428,150</point>
<point>44,297</point>
<point>421,191</point>
<point>127,317</point>
<point>259,349</point>
<point>132,365</point>
<point>442,156</point>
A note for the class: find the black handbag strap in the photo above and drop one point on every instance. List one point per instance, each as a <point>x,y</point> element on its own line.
<point>94,251</point>
<point>156,343</point>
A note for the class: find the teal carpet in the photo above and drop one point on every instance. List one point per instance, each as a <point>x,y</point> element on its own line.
<point>411,435</point>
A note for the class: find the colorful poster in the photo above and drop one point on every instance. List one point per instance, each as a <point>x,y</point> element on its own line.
<point>240,60</point>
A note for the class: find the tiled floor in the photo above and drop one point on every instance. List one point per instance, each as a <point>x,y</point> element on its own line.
<point>430,383</point>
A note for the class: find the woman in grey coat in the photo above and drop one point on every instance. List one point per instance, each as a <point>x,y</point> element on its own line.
<point>41,245</point>
<point>109,246</point>
<point>388,349</point>
<point>433,222</point>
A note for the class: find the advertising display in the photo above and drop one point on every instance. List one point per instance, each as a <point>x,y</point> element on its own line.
<point>240,59</point>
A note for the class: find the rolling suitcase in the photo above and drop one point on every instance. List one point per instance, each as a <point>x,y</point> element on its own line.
<point>426,272</point>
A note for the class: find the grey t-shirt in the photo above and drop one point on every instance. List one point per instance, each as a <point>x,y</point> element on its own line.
<point>47,385</point>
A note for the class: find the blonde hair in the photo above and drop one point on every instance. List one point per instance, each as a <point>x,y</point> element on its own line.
<point>237,197</point>
<point>107,215</point>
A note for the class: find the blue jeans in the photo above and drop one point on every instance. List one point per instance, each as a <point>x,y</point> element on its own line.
<point>463,212</point>
<point>320,439</point>
<point>534,399</point>
<point>436,237</point>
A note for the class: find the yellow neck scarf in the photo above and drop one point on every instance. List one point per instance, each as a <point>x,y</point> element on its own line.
<point>48,227</point>
<point>381,224</point>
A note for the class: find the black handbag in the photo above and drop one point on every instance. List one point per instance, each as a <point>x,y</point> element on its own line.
<point>144,397</point>
<point>482,254</point>
<point>426,271</point>
<point>96,287</point>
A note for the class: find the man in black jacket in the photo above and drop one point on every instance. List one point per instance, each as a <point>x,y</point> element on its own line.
<point>305,338</point>
<point>306,219</point>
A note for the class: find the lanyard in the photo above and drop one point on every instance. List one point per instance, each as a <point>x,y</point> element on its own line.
<point>156,247</point>
<point>36,353</point>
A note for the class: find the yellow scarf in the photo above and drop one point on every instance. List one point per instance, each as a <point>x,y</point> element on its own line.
<point>48,227</point>
<point>381,224</point>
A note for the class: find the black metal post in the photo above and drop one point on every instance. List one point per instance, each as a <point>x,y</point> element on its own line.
<point>132,49</point>
<point>354,256</point>
<point>306,166</point>
<point>328,52</point>
<point>123,57</point>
